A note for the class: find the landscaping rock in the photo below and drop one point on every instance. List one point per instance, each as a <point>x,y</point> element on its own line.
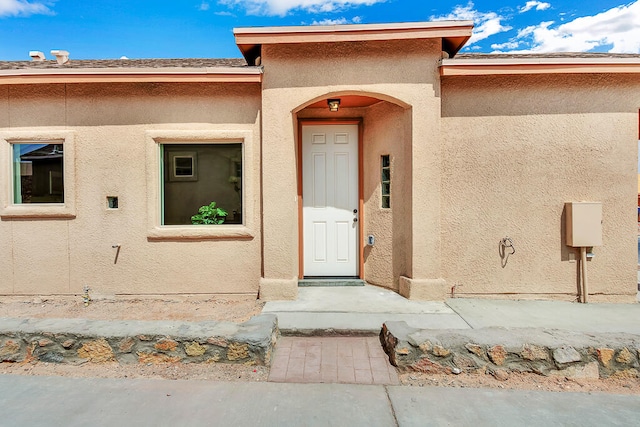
<point>96,351</point>
<point>564,355</point>
<point>500,374</point>
<point>544,351</point>
<point>497,354</point>
<point>625,357</point>
<point>605,355</point>
<point>152,342</point>
<point>534,352</point>
<point>589,371</point>
<point>10,351</point>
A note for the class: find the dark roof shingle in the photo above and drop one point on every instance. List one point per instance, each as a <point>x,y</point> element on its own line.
<point>125,63</point>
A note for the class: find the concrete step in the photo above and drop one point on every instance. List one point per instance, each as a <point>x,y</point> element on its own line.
<point>356,310</point>
<point>326,324</point>
<point>330,281</point>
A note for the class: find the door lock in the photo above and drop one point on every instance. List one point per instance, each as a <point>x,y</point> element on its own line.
<point>355,211</point>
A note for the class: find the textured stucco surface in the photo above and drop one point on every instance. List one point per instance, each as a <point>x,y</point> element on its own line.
<point>515,149</point>
<point>110,125</point>
<point>386,128</point>
<point>474,160</point>
<point>404,74</point>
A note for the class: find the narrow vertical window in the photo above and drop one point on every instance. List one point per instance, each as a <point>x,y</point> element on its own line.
<point>385,181</point>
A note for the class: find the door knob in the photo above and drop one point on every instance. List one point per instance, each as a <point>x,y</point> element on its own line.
<point>355,219</point>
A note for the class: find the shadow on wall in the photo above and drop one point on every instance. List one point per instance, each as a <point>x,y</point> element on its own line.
<point>479,96</point>
<point>368,62</point>
<point>567,253</point>
<point>133,104</point>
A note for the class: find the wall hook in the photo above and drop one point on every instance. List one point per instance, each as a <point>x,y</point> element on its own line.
<point>506,243</point>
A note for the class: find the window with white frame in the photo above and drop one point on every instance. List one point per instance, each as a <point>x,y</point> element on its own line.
<point>194,177</point>
<point>38,172</point>
<point>38,168</point>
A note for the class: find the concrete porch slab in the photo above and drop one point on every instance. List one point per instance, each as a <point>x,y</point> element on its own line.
<point>361,309</point>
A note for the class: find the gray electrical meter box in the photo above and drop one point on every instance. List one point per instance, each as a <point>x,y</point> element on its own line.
<point>584,224</point>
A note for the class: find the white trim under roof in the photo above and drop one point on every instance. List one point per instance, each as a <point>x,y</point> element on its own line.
<point>454,34</point>
<point>538,65</point>
<point>105,75</point>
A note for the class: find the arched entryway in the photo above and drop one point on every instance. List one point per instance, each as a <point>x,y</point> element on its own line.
<point>353,164</point>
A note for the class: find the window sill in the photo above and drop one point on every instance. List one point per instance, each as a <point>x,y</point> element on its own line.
<point>200,232</point>
<point>53,210</point>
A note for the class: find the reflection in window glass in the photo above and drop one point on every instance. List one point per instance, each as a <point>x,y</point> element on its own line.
<point>196,175</point>
<point>38,173</point>
<point>183,166</point>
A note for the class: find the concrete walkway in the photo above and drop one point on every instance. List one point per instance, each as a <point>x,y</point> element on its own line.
<point>48,401</point>
<point>364,309</point>
<point>602,318</point>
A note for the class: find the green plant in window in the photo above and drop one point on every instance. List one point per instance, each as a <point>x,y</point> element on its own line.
<point>209,214</point>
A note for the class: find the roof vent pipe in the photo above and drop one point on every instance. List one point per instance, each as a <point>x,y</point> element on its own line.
<point>36,55</point>
<point>62,56</point>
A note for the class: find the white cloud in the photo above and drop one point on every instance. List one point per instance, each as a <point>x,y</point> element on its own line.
<point>339,21</point>
<point>282,7</point>
<point>617,27</point>
<point>538,5</point>
<point>485,24</point>
<point>510,45</point>
<point>204,6</point>
<point>24,8</point>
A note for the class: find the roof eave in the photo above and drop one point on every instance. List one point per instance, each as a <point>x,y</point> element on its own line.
<point>131,75</point>
<point>514,66</point>
<point>454,35</point>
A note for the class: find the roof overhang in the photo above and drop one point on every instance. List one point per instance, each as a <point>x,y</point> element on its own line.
<point>454,35</point>
<point>513,66</point>
<point>129,75</point>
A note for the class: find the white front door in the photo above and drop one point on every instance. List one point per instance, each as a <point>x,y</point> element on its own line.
<point>330,200</point>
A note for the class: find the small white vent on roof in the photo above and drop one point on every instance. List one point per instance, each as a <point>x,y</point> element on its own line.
<point>62,56</point>
<point>36,55</point>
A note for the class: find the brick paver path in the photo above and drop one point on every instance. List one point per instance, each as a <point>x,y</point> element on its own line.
<point>355,360</point>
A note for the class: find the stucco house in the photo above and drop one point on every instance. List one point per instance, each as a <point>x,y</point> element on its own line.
<point>356,151</point>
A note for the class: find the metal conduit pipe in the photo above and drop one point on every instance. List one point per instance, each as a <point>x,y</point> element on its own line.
<point>583,269</point>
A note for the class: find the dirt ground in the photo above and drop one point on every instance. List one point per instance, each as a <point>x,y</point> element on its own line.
<point>236,309</point>
<point>196,309</point>
<point>523,381</point>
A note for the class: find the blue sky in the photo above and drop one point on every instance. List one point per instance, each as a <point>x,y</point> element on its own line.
<point>100,29</point>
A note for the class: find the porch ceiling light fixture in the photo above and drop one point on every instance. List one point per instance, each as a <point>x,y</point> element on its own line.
<point>334,104</point>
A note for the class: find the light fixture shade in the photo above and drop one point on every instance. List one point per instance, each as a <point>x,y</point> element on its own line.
<point>334,104</point>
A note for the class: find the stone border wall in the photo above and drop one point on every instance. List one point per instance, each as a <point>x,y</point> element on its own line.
<point>499,350</point>
<point>78,341</point>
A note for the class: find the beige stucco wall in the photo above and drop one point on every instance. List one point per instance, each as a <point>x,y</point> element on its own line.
<point>112,124</point>
<point>515,149</point>
<point>387,130</point>
<point>404,73</point>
